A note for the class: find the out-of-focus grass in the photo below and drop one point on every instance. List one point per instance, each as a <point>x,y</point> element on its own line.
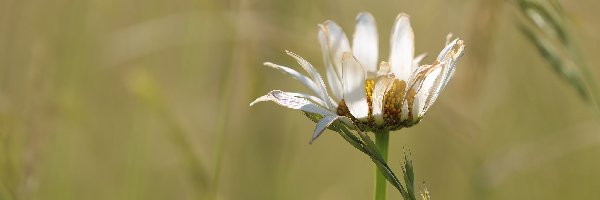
<point>149,100</point>
<point>548,30</point>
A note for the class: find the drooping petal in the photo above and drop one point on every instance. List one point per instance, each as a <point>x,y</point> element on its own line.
<point>365,45</point>
<point>322,125</point>
<point>333,79</point>
<point>337,43</point>
<point>315,99</point>
<point>316,77</point>
<point>402,48</point>
<point>353,81</point>
<point>310,84</point>
<point>289,101</point>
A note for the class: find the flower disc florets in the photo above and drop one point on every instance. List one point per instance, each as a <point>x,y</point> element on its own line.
<point>392,109</point>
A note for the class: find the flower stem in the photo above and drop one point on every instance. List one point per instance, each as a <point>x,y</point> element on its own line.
<point>381,140</point>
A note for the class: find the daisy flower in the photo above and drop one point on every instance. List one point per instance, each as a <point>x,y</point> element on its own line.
<point>364,94</point>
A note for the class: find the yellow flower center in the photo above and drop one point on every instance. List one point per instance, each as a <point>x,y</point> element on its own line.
<point>392,108</point>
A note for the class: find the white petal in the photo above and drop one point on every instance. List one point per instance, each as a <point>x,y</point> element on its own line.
<point>417,61</point>
<point>404,112</point>
<point>402,47</point>
<point>445,75</point>
<point>337,43</point>
<point>317,100</point>
<point>289,101</point>
<point>294,74</point>
<point>335,84</point>
<point>316,77</point>
<point>322,125</point>
<point>365,45</point>
<point>452,53</point>
<point>416,69</point>
<point>448,37</point>
<point>424,91</point>
<point>384,69</point>
<point>447,49</point>
<point>382,85</point>
<point>332,76</point>
<point>354,78</point>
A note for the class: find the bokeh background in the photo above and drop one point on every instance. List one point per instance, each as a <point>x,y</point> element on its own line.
<point>105,99</point>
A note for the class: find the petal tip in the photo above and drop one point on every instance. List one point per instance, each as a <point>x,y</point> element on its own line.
<point>259,99</point>
<point>460,42</point>
<point>321,27</point>
<point>296,56</point>
<point>364,15</point>
<point>328,23</point>
<point>402,15</point>
<point>312,140</point>
<point>347,55</point>
<point>448,37</point>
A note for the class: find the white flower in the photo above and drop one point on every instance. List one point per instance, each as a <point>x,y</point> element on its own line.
<point>388,96</point>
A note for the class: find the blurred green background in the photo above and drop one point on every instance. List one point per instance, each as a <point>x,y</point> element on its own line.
<point>104,99</point>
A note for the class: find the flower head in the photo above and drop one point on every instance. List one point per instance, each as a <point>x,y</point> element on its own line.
<point>364,94</point>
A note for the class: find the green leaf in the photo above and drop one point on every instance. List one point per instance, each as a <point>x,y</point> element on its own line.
<point>409,176</point>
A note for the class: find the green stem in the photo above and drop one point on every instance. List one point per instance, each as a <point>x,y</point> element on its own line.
<point>382,141</point>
